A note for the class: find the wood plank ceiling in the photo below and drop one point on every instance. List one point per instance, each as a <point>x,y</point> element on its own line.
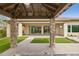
<point>33,10</point>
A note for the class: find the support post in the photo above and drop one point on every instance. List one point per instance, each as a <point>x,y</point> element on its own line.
<point>13,27</point>
<point>20,29</point>
<point>52,32</point>
<point>42,30</point>
<point>65,30</point>
<point>8,30</point>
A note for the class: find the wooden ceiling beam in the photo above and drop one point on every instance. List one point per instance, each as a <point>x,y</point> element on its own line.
<point>40,10</point>
<point>7,7</point>
<point>48,8</point>
<point>51,7</point>
<point>52,11</point>
<point>6,4</point>
<point>61,9</point>
<point>14,10</point>
<point>55,5</point>
<point>32,9</point>
<point>25,8</point>
<point>3,12</point>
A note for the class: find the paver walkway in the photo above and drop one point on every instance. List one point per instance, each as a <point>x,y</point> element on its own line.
<point>26,48</point>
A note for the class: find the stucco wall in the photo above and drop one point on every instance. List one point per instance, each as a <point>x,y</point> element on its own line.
<point>59,31</point>
<point>26,28</point>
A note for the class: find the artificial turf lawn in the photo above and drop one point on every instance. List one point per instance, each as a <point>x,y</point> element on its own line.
<point>5,43</point>
<point>57,40</point>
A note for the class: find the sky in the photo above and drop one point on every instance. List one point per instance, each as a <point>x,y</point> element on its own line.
<point>3,17</point>
<point>72,12</point>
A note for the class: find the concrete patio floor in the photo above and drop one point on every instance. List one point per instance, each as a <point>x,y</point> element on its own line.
<point>25,48</point>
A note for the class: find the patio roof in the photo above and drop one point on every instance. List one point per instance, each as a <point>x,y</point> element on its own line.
<point>33,10</point>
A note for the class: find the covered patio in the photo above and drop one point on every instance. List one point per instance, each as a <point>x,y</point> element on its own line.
<point>32,11</point>
<point>34,27</point>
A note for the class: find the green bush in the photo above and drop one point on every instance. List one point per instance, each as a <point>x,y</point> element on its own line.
<point>2,33</point>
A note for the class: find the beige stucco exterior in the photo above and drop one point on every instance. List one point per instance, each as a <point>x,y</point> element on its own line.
<point>41,22</point>
<point>59,31</point>
<point>61,26</point>
<point>26,28</point>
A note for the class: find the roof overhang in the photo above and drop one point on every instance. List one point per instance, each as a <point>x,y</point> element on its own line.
<point>21,11</point>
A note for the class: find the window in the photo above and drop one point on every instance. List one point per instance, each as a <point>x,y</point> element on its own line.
<point>75,28</point>
<point>69,28</point>
<point>35,29</point>
<point>46,29</point>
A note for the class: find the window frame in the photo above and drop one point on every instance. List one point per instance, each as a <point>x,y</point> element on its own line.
<point>72,28</point>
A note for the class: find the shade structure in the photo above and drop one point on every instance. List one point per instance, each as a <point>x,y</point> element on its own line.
<point>33,10</point>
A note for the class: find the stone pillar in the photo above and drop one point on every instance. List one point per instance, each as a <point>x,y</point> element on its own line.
<point>13,31</point>
<point>20,29</point>
<point>52,32</point>
<point>42,30</point>
<point>8,30</point>
<point>65,30</point>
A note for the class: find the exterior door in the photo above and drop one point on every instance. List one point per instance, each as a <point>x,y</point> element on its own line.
<point>35,29</point>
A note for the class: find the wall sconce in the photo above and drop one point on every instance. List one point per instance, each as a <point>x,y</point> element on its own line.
<point>61,27</point>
